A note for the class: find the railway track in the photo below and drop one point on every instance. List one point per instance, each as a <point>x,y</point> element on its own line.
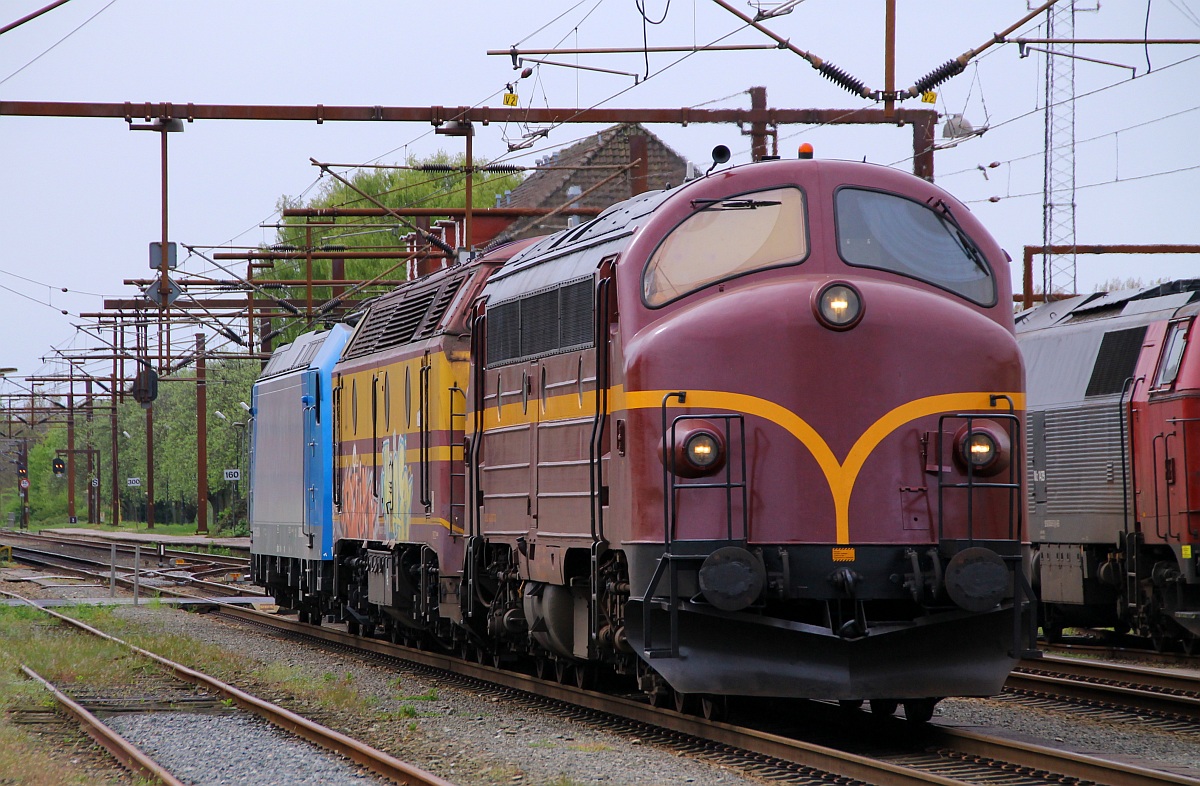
<point>1170,694</point>
<point>1124,649</point>
<point>154,569</point>
<point>937,755</point>
<point>82,546</point>
<point>1114,691</point>
<point>376,761</point>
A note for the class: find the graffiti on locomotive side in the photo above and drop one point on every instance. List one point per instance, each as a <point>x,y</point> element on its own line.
<point>396,492</point>
<point>359,504</point>
<point>377,507</point>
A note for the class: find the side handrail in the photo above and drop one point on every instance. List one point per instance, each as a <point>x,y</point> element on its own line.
<point>1154,460</point>
<point>474,477</point>
<point>426,373</point>
<point>454,415</point>
<point>1169,478</point>
<point>600,342</point>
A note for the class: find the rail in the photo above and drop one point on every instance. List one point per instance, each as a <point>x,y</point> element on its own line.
<point>121,749</point>
<point>377,761</point>
<point>758,748</point>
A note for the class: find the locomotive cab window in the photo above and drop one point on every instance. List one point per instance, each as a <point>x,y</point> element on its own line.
<point>727,238</point>
<point>1168,367</point>
<point>894,233</point>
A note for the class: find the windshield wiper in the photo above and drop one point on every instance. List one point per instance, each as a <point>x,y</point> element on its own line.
<point>961,238</point>
<point>734,204</point>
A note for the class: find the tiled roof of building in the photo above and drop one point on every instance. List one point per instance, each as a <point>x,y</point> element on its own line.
<point>599,167</point>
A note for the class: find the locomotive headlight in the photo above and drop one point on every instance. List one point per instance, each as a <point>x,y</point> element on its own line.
<point>839,306</point>
<point>980,449</point>
<point>693,449</point>
<point>702,449</point>
<point>983,447</point>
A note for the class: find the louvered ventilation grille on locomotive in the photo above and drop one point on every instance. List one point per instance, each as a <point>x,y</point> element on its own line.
<point>444,298</point>
<point>274,363</point>
<point>541,323</point>
<point>578,321</point>
<point>309,353</point>
<point>1083,471</point>
<point>293,357</point>
<point>504,332</point>
<point>390,324</point>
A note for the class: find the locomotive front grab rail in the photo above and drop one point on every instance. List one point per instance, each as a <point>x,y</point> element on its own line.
<point>677,550</point>
<point>973,484</point>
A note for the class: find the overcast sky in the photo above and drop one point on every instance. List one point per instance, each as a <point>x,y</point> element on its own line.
<point>80,197</point>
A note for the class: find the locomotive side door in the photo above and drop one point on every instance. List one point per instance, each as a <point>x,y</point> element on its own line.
<point>506,453</point>
<point>1163,436</point>
<point>1180,430</point>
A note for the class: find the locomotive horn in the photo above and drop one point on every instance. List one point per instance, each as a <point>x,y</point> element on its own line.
<point>720,155</point>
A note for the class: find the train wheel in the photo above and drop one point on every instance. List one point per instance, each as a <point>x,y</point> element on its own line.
<point>658,698</point>
<point>714,708</point>
<point>919,710</point>
<point>315,617</point>
<point>352,627</point>
<point>395,635</point>
<point>302,615</point>
<point>497,660</point>
<point>585,676</point>
<point>541,668</point>
<point>562,670</point>
<point>883,707</point>
<point>1191,645</point>
<point>685,703</point>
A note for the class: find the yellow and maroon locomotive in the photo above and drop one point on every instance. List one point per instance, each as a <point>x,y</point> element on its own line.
<point>759,434</point>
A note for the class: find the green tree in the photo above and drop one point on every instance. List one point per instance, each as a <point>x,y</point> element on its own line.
<point>434,182</point>
<point>229,383</point>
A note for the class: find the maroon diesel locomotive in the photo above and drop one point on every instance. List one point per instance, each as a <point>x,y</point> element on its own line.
<point>759,434</point>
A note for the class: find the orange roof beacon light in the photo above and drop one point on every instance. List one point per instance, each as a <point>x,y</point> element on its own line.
<point>806,151</point>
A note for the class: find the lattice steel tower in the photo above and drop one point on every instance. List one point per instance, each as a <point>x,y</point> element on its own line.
<point>1058,216</point>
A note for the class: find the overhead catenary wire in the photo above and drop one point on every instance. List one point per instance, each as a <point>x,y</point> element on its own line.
<point>1182,7</point>
<point>53,46</point>
<point>1104,88</point>
<point>1097,137</point>
<point>1098,184</point>
<point>50,286</point>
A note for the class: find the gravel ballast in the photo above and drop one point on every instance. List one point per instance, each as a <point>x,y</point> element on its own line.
<point>229,750</point>
<point>472,739</point>
<point>459,735</point>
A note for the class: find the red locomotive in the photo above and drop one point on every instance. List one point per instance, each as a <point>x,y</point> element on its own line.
<point>759,434</point>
